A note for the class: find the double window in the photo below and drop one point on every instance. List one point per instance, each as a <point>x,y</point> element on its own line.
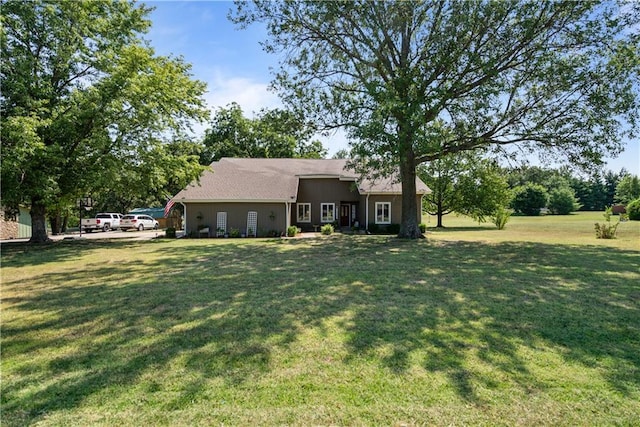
<point>383,212</point>
<point>327,212</point>
<point>304,212</point>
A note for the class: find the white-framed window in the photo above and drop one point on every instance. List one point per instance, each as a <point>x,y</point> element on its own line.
<point>304,212</point>
<point>383,212</point>
<point>327,212</point>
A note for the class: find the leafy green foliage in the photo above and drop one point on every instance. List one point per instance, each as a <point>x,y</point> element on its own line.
<point>562,201</point>
<point>633,210</point>
<point>501,217</point>
<point>415,81</point>
<point>594,192</point>
<point>292,231</point>
<point>529,199</point>
<point>342,154</point>
<point>273,134</point>
<point>607,230</point>
<point>628,189</point>
<point>464,183</point>
<point>148,178</point>
<point>327,229</point>
<point>84,100</point>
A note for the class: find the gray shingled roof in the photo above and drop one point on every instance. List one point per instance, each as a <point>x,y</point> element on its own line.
<point>234,179</point>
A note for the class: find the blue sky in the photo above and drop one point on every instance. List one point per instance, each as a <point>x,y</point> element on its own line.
<point>236,69</point>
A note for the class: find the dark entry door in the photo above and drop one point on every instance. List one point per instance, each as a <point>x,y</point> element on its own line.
<point>345,215</point>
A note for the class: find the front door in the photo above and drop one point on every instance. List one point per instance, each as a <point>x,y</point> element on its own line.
<point>345,215</point>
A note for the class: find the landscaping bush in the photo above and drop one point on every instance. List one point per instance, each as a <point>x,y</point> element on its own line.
<point>326,229</point>
<point>529,199</point>
<point>423,227</point>
<point>562,201</point>
<point>606,230</point>
<point>170,233</point>
<point>501,217</point>
<point>292,231</point>
<point>633,210</point>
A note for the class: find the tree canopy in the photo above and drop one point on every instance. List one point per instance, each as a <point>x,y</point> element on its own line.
<point>414,81</point>
<point>628,189</point>
<point>273,133</point>
<point>85,98</point>
<point>465,183</point>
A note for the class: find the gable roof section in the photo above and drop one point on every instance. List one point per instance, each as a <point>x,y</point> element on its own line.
<point>276,180</point>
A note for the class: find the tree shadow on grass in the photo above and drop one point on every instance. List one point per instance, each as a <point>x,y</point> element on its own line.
<point>20,254</point>
<point>218,310</point>
<point>446,229</point>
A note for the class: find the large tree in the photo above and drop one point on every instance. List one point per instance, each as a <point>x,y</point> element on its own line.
<point>414,81</point>
<point>272,133</point>
<point>83,97</point>
<point>150,176</point>
<point>465,183</point>
<point>628,189</point>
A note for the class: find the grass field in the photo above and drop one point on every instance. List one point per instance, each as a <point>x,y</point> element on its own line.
<point>538,324</point>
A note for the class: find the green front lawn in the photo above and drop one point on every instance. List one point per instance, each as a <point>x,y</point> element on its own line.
<point>495,329</point>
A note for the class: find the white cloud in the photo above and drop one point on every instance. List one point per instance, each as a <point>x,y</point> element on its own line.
<point>250,94</point>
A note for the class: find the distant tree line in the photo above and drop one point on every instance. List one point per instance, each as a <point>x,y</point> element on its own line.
<point>474,185</point>
<point>595,192</point>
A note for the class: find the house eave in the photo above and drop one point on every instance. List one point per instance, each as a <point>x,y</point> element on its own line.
<point>388,193</point>
<point>290,200</point>
<point>327,176</point>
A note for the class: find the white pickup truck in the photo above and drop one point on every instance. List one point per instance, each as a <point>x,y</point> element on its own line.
<point>102,221</point>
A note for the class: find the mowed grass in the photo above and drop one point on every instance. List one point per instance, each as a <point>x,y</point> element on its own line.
<point>533,325</point>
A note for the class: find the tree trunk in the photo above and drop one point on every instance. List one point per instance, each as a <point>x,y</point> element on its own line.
<point>440,210</point>
<point>409,228</point>
<point>38,222</point>
<point>55,221</point>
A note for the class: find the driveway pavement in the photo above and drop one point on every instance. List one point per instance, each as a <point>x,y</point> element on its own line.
<point>113,234</point>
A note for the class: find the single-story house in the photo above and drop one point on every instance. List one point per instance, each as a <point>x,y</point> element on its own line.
<point>265,196</point>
